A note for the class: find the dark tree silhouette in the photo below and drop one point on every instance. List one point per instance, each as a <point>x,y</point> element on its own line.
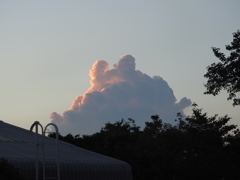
<point>197,147</point>
<point>8,171</point>
<point>225,75</point>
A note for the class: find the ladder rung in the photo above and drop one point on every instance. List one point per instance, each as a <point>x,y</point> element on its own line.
<point>50,132</point>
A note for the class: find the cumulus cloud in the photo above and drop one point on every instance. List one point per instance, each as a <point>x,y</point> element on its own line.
<point>120,92</point>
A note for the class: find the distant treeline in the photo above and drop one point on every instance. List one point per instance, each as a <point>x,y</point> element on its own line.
<point>197,148</point>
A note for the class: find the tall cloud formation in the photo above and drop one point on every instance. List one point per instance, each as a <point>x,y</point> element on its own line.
<point>121,92</point>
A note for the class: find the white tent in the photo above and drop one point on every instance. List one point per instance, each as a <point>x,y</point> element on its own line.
<point>17,145</point>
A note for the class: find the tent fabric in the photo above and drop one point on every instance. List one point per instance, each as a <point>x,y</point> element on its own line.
<point>17,145</point>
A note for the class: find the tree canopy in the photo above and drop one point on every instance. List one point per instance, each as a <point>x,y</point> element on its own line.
<point>8,171</point>
<point>197,147</point>
<point>225,75</point>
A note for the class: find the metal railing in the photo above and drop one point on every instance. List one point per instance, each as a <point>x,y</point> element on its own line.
<point>37,144</point>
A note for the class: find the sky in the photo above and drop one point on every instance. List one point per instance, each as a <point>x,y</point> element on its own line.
<point>81,64</point>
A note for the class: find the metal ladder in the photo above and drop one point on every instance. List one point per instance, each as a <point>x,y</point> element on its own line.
<point>37,144</point>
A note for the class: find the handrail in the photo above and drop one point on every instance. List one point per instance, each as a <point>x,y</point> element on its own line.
<point>36,123</point>
<point>57,145</point>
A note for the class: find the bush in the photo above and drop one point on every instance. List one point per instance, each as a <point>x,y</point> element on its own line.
<point>8,171</point>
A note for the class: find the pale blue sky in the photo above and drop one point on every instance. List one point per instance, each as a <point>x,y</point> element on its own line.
<point>48,47</point>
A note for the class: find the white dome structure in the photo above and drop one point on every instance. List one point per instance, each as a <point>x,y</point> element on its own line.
<point>17,145</point>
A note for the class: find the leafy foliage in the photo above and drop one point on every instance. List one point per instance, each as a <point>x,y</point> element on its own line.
<point>198,147</point>
<point>226,74</point>
<point>8,172</point>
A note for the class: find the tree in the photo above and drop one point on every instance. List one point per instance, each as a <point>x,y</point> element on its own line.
<point>225,75</point>
<point>8,171</point>
<point>197,147</point>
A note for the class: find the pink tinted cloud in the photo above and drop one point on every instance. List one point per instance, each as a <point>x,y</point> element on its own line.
<point>121,92</point>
